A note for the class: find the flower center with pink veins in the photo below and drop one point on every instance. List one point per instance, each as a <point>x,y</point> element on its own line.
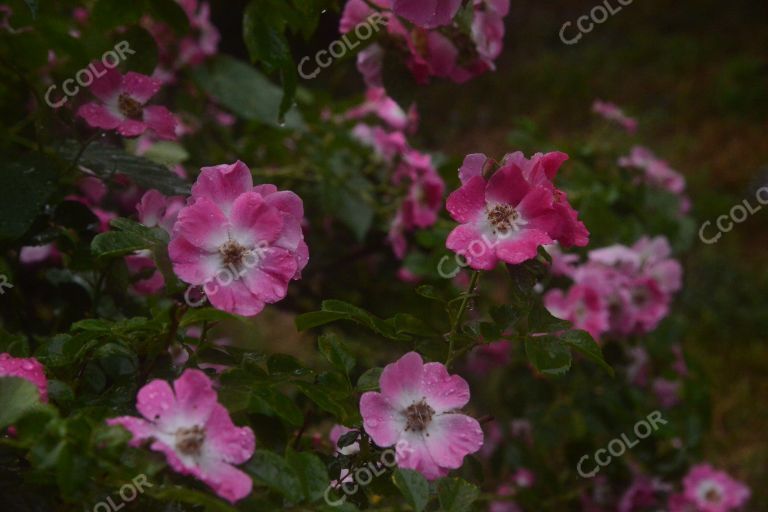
<point>418,416</point>
<point>503,218</point>
<point>129,107</point>
<point>189,441</point>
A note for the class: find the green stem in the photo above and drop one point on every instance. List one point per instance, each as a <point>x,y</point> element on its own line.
<point>456,321</point>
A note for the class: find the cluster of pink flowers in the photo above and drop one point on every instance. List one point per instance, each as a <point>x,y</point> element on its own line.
<point>27,368</point>
<point>194,431</point>
<point>434,44</point>
<point>417,412</point>
<point>242,243</point>
<point>613,113</point>
<point>383,126</point>
<point>658,174</point>
<point>510,215</point>
<point>192,49</point>
<point>619,290</point>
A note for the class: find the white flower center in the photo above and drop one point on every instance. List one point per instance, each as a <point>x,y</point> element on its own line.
<point>504,218</point>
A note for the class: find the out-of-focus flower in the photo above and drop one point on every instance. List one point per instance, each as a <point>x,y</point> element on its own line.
<point>122,105</point>
<point>613,113</point>
<point>635,285</point>
<point>416,412</point>
<point>27,368</point>
<point>657,173</point>
<point>250,235</point>
<point>709,490</point>
<point>194,431</point>
<point>667,392</point>
<point>485,358</point>
<point>427,13</point>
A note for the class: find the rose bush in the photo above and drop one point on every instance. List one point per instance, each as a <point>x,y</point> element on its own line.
<point>249,293</point>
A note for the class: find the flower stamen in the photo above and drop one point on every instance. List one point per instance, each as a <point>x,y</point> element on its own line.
<point>418,416</point>
<point>189,441</point>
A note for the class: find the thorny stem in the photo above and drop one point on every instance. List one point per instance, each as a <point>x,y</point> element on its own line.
<point>457,320</point>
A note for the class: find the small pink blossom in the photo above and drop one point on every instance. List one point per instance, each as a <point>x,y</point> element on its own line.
<point>509,216</point>
<point>417,412</point>
<point>29,369</point>
<point>667,392</point>
<point>194,431</point>
<point>243,243</point>
<point>487,357</point>
<point>122,105</point>
<point>710,490</point>
<point>613,113</point>
<point>336,432</point>
<point>377,103</point>
<point>32,254</point>
<point>582,306</point>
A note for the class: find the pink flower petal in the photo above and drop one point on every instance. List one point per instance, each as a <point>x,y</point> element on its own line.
<point>427,13</point>
<point>156,401</point>
<point>254,223</point>
<point>141,430</point>
<point>381,421</point>
<point>452,437</point>
<point>140,87</point>
<point>222,184</point>
<point>467,240</point>
<point>203,225</point>
<point>106,83</point>
<point>524,247</point>
<point>195,397</point>
<point>227,481</point>
<point>269,280</point>
<point>230,443</point>
<point>507,186</point>
<point>99,116</point>
<point>400,381</point>
<point>160,119</point>
<point>412,453</point>
<point>234,297</point>
<point>443,392</point>
<point>468,201</point>
<point>192,264</point>
<point>131,128</point>
<point>473,166</point>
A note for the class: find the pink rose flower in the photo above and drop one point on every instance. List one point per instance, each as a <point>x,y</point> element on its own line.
<point>194,432</point>
<point>243,243</point>
<point>582,306</point>
<point>509,216</point>
<point>29,369</point>
<point>416,412</point>
<point>122,105</point>
<point>713,491</point>
<point>427,13</point>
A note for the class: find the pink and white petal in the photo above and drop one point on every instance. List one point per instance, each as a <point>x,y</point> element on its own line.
<point>452,437</point>
<point>444,392</point>
<point>203,225</point>
<point>287,201</point>
<point>400,381</point>
<point>380,420</point>
<point>254,223</point>
<point>99,116</point>
<point>139,428</point>
<point>107,82</point>
<point>427,13</point>
<point>268,281</point>
<point>161,121</point>
<point>192,264</point>
<point>131,128</point>
<point>507,186</point>
<point>227,481</point>
<point>524,247</point>
<point>467,240</point>
<point>291,235</point>
<point>140,87</point>
<point>234,298</point>
<point>473,166</point>
<point>411,452</point>
<point>302,258</point>
<point>225,441</point>
<point>156,402</point>
<point>195,397</point>
<point>181,464</point>
<point>222,184</point>
<point>468,201</point>
<point>151,208</point>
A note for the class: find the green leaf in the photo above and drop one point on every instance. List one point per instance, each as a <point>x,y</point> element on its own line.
<point>540,320</point>
<point>17,397</point>
<point>413,486</point>
<point>320,397</point>
<point>107,14</point>
<point>105,160</point>
<point>369,381</point>
<point>430,292</point>
<point>278,364</point>
<point>131,237</point>
<point>244,91</point>
<point>29,183</point>
<point>316,319</point>
<point>167,153</point>
<point>186,494</point>
<point>171,13</point>
<point>548,354</point>
<point>334,351</point>
<point>200,315</point>
<point>276,473</point>
<point>311,472</point>
<point>456,495</point>
<point>282,406</point>
<point>583,342</point>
